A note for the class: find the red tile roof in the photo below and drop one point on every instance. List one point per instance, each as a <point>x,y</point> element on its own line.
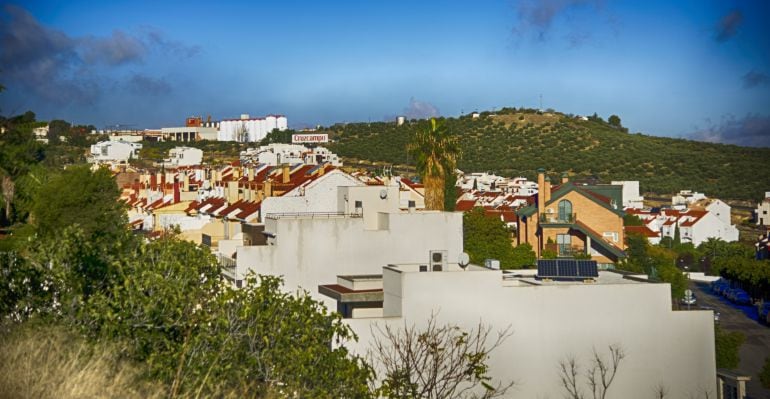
<point>465,205</point>
<point>643,230</point>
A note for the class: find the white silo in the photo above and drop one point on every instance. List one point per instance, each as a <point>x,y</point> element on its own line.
<point>282,123</point>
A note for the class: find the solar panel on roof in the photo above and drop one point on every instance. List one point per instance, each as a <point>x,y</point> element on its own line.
<point>568,269</point>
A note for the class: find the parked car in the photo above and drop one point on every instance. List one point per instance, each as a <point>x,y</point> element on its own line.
<point>729,292</point>
<point>689,301</point>
<point>741,298</point>
<point>720,286</point>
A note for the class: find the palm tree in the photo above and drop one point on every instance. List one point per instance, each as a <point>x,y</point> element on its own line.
<point>436,153</point>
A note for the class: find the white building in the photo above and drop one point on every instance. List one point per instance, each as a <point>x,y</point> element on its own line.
<point>248,129</point>
<point>704,219</point>
<point>41,133</point>
<point>482,181</point>
<point>310,249</point>
<point>183,156</point>
<point>189,133</point>
<point>114,152</point>
<point>278,153</point>
<point>631,197</point>
<point>763,211</point>
<point>550,322</point>
<point>315,196</point>
<point>685,198</point>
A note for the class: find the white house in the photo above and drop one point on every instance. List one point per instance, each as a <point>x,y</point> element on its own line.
<point>702,220</point>
<point>279,153</point>
<point>763,211</point>
<point>686,197</point>
<point>114,152</point>
<point>631,197</point>
<point>316,196</point>
<point>549,321</point>
<point>309,249</point>
<point>183,156</point>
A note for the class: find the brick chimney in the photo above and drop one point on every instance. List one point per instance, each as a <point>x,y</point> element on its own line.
<point>547,190</point>
<point>250,173</point>
<point>268,188</point>
<point>232,191</point>
<point>285,173</point>
<point>564,177</point>
<point>541,190</point>
<point>177,194</point>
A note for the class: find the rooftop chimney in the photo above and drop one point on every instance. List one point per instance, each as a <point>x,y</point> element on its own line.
<point>541,190</point>
<point>547,190</point>
<point>177,195</point>
<point>285,173</point>
<point>564,177</point>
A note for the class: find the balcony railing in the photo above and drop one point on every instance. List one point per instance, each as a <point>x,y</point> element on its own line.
<point>228,264</point>
<point>565,250</point>
<point>555,218</point>
<point>312,215</point>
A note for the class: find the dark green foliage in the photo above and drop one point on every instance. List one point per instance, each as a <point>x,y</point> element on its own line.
<point>487,238</point>
<point>657,262</point>
<point>677,236</point>
<point>278,136</point>
<point>450,192</point>
<point>586,148</point>
<point>614,120</point>
<point>632,220</point>
<point>764,374</point>
<point>57,128</point>
<point>727,346</point>
<point>79,197</point>
<point>164,304</point>
<point>523,257</point>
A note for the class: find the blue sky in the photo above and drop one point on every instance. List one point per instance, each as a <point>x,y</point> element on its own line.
<point>698,69</point>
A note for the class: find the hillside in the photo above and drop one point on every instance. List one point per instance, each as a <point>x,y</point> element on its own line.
<point>517,142</point>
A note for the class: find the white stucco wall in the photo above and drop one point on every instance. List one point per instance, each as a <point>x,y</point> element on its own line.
<point>309,252</point>
<point>551,323</point>
<point>318,196</point>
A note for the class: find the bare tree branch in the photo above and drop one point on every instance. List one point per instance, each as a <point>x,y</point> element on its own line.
<point>438,361</point>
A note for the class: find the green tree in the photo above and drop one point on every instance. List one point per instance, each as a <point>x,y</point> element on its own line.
<point>450,192</point>
<point>78,196</point>
<point>487,238</point>
<point>18,153</point>
<point>632,220</point>
<point>614,120</point>
<point>199,335</point>
<point>58,128</point>
<point>278,136</point>
<point>677,237</point>
<point>523,256</point>
<point>435,152</point>
<point>727,345</point>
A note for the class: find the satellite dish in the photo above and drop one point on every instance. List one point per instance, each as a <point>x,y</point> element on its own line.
<point>383,193</point>
<point>464,260</point>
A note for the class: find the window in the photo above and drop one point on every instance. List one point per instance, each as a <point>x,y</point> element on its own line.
<point>564,242</point>
<point>565,210</point>
<point>610,236</point>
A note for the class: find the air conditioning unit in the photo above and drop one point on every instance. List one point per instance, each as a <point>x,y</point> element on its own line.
<point>492,264</point>
<point>438,261</point>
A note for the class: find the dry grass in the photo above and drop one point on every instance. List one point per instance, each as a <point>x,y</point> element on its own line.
<point>47,362</point>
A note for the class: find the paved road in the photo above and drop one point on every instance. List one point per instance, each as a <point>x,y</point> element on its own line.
<point>744,319</point>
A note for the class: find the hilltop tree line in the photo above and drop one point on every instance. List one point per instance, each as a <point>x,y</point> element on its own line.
<point>516,142</point>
